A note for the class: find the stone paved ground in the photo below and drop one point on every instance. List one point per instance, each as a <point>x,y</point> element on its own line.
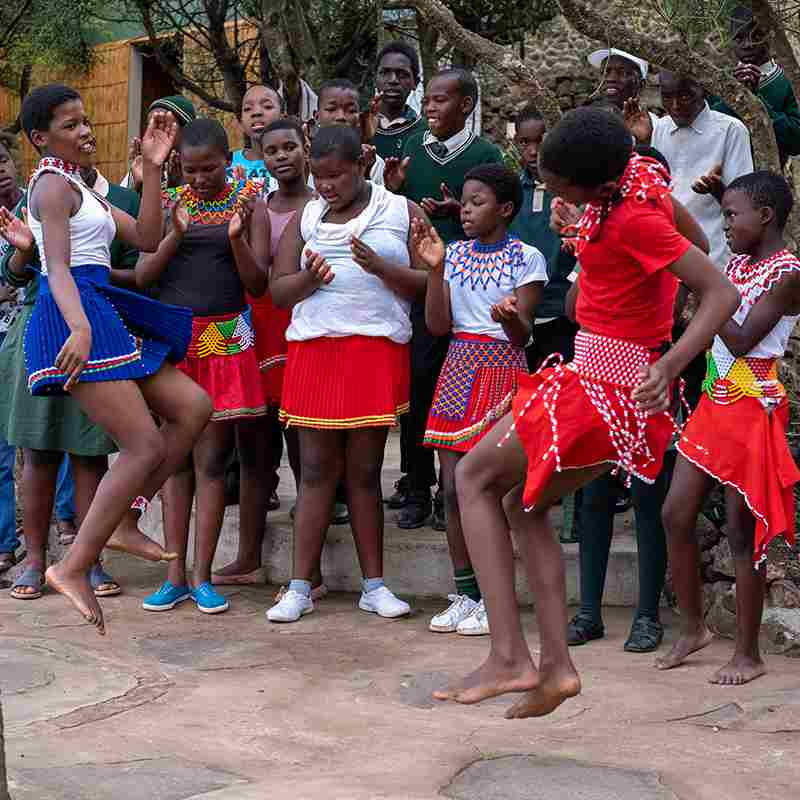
<point>337,706</point>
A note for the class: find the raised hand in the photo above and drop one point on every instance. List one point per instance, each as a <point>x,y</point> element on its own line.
<point>365,256</point>
<point>181,219</point>
<point>370,156</point>
<point>238,173</point>
<point>563,216</point>
<point>159,138</point>
<point>505,310</point>
<point>448,206</point>
<point>319,268</point>
<point>16,231</point>
<point>637,121</point>
<point>74,356</point>
<point>369,119</point>
<point>710,183</point>
<point>394,173</point>
<point>652,395</point>
<point>428,244</point>
<point>240,221</point>
<point>749,75</point>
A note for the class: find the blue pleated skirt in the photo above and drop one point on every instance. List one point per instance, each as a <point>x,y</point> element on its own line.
<point>132,335</point>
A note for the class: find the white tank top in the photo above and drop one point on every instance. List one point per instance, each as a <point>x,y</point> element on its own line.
<point>91,228</point>
<point>355,303</point>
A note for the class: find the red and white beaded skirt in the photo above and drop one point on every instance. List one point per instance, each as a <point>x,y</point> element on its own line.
<point>576,415</point>
<point>744,446</point>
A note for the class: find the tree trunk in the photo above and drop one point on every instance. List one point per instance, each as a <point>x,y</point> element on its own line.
<point>502,59</point>
<point>3,780</point>
<point>683,61</point>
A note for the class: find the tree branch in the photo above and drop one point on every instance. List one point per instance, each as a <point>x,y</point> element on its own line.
<point>682,61</point>
<point>767,19</point>
<point>499,58</point>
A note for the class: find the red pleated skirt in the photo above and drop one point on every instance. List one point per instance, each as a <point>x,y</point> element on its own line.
<point>269,326</point>
<point>222,359</point>
<point>345,382</point>
<point>479,377</point>
<point>743,446</point>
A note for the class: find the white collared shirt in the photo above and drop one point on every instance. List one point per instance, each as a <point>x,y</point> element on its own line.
<point>455,144</point>
<point>692,151</point>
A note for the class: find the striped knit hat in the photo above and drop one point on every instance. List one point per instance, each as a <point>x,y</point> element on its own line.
<point>181,108</point>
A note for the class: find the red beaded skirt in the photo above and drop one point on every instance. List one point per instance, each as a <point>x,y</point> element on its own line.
<point>269,326</point>
<point>221,358</point>
<point>744,446</point>
<point>576,415</point>
<point>345,382</point>
<point>479,377</point>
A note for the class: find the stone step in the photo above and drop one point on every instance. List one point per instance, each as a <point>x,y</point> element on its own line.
<point>417,562</point>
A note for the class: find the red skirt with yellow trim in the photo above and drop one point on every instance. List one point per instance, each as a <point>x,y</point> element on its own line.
<point>479,377</point>
<point>345,382</point>
<point>269,326</point>
<point>221,358</point>
<point>581,414</point>
<point>744,446</point>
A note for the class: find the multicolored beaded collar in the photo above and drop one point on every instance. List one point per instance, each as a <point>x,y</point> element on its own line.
<point>220,209</point>
<point>644,179</point>
<point>48,163</point>
<point>477,264</point>
<point>754,278</point>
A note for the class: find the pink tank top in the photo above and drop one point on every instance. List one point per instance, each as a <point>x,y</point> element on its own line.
<point>277,222</point>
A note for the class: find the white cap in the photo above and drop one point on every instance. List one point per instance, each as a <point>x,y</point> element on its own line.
<point>597,58</point>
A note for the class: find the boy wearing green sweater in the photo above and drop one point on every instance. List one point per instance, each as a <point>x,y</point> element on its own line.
<point>759,72</point>
<point>431,172</point>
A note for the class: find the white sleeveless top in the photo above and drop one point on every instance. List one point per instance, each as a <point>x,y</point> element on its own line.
<point>91,228</point>
<point>355,303</point>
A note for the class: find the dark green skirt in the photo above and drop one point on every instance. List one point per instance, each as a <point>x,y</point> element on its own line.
<point>41,423</point>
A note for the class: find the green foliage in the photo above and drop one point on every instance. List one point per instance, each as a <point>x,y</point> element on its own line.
<point>696,20</point>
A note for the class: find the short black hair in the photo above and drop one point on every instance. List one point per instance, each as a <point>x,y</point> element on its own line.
<point>38,107</point>
<point>336,139</point>
<point>588,147</point>
<point>281,98</point>
<point>285,124</point>
<point>337,83</point>
<point>205,132</point>
<point>766,189</point>
<point>467,83</point>
<point>652,152</point>
<point>404,49</point>
<point>528,113</point>
<point>502,181</point>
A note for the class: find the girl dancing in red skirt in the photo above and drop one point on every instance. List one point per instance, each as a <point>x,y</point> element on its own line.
<point>737,434</point>
<point>607,408</point>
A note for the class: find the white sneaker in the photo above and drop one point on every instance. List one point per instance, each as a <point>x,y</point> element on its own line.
<point>382,602</point>
<point>460,608</point>
<point>476,624</point>
<point>290,607</point>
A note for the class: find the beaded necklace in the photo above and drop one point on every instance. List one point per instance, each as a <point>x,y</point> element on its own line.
<point>753,278</point>
<point>49,163</point>
<point>218,210</point>
<point>644,179</point>
<point>479,264</point>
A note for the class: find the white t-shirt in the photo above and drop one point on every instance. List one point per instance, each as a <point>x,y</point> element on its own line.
<point>355,303</point>
<point>479,276</point>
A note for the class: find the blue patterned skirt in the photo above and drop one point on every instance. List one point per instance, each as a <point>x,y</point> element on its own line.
<point>132,335</point>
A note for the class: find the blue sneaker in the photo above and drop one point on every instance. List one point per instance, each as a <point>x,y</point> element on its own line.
<point>208,599</point>
<point>166,598</point>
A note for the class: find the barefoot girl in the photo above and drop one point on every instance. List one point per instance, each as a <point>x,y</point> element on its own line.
<point>205,262</point>
<point>737,434</point>
<point>485,291</point>
<point>285,154</point>
<point>344,265</point>
<point>48,427</point>
<point>261,105</point>
<point>110,348</point>
<point>570,424</point>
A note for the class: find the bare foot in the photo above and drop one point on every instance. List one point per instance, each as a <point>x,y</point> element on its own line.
<point>553,689</point>
<point>79,592</point>
<point>739,670</point>
<point>239,573</point>
<point>684,647</point>
<point>127,538</point>
<point>490,680</point>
